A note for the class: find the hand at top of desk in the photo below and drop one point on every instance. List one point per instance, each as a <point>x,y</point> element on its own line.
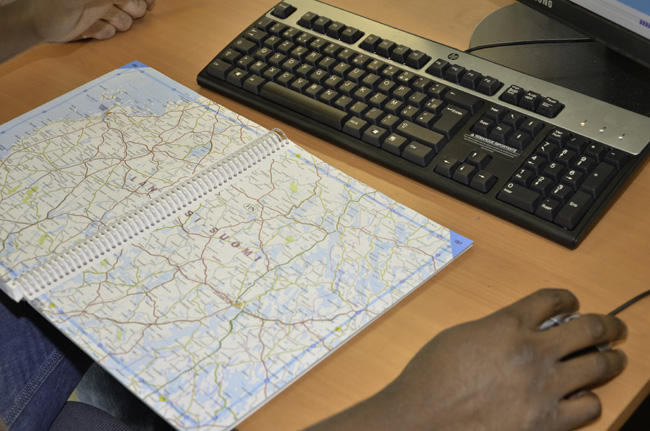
<point>499,373</point>
<point>67,20</point>
<point>24,23</point>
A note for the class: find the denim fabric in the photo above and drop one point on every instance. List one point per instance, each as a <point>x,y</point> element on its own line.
<point>39,368</point>
<point>101,390</point>
<point>82,417</point>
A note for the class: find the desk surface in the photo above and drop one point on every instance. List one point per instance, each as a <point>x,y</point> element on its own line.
<point>506,263</point>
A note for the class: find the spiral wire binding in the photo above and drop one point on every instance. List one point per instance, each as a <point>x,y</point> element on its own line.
<point>43,277</point>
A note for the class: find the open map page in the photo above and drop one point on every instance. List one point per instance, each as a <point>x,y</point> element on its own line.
<point>215,311</point>
<point>80,161</point>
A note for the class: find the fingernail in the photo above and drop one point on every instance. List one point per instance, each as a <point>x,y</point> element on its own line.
<point>577,395</point>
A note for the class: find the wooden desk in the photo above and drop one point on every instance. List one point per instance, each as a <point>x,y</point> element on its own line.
<point>180,37</point>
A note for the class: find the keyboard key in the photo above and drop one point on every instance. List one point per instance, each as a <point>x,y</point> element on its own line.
<point>370,43</point>
<point>230,55</point>
<point>400,53</point>
<point>237,77</point>
<point>451,120</point>
<point>307,20</point>
<point>420,134</point>
<point>532,126</point>
<point>520,197</point>
<point>471,79</point>
<point>418,153</point>
<point>351,35</point>
<point>255,35</point>
<point>483,181</point>
<point>549,108</point>
<point>562,193</point>
<point>438,68</point>
<point>283,10</point>
<point>374,135</point>
<point>483,127</point>
<point>513,94</point>
<point>548,209</point>
<point>542,185</point>
<point>395,144</point>
<point>355,127</point>
<point>501,133</point>
<point>464,173</point>
<point>304,105</point>
<point>385,48</point>
<point>566,157</point>
<point>559,136</point>
<point>455,73</point>
<point>616,158</point>
<point>321,23</point>
<point>489,86</point>
<point>530,101</point>
<point>479,158</point>
<point>335,29</point>
<point>585,164</point>
<point>596,150</point>
<point>253,84</point>
<point>535,164</point>
<point>244,46</point>
<point>264,24</point>
<point>571,214</point>
<point>523,177</point>
<point>390,122</point>
<point>447,166</point>
<point>496,113</point>
<point>554,171</point>
<point>417,59</point>
<point>519,140</point>
<point>219,69</point>
<point>573,179</point>
<point>426,119</point>
<point>464,100</point>
<point>595,183</point>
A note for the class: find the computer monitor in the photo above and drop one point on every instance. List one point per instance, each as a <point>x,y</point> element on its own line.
<point>622,25</point>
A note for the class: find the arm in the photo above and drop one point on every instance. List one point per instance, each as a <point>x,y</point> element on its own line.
<point>26,23</point>
<point>498,373</point>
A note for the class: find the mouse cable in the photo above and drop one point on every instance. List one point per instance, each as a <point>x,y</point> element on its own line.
<point>628,303</point>
<point>528,42</point>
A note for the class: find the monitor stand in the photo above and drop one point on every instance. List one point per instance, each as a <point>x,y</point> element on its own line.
<point>588,68</point>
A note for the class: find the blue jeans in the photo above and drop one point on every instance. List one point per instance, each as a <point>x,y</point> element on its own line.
<point>39,368</point>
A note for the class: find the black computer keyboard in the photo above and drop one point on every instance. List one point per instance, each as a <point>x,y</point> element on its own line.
<point>534,153</point>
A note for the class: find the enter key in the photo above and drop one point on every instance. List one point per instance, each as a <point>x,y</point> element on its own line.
<point>451,120</point>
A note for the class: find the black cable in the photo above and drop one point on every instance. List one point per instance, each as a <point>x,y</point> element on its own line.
<point>628,303</point>
<point>528,42</point>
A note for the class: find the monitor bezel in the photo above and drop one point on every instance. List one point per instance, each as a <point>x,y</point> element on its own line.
<point>595,26</point>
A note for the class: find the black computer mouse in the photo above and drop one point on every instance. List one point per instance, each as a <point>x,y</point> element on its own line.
<point>563,318</point>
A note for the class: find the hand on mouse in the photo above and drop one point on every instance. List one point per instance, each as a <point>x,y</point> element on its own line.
<point>499,373</point>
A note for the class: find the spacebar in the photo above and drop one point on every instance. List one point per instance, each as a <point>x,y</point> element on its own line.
<point>304,105</point>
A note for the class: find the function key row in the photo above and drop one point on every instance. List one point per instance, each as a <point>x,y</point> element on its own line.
<point>396,52</point>
<point>333,29</point>
<point>467,78</point>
